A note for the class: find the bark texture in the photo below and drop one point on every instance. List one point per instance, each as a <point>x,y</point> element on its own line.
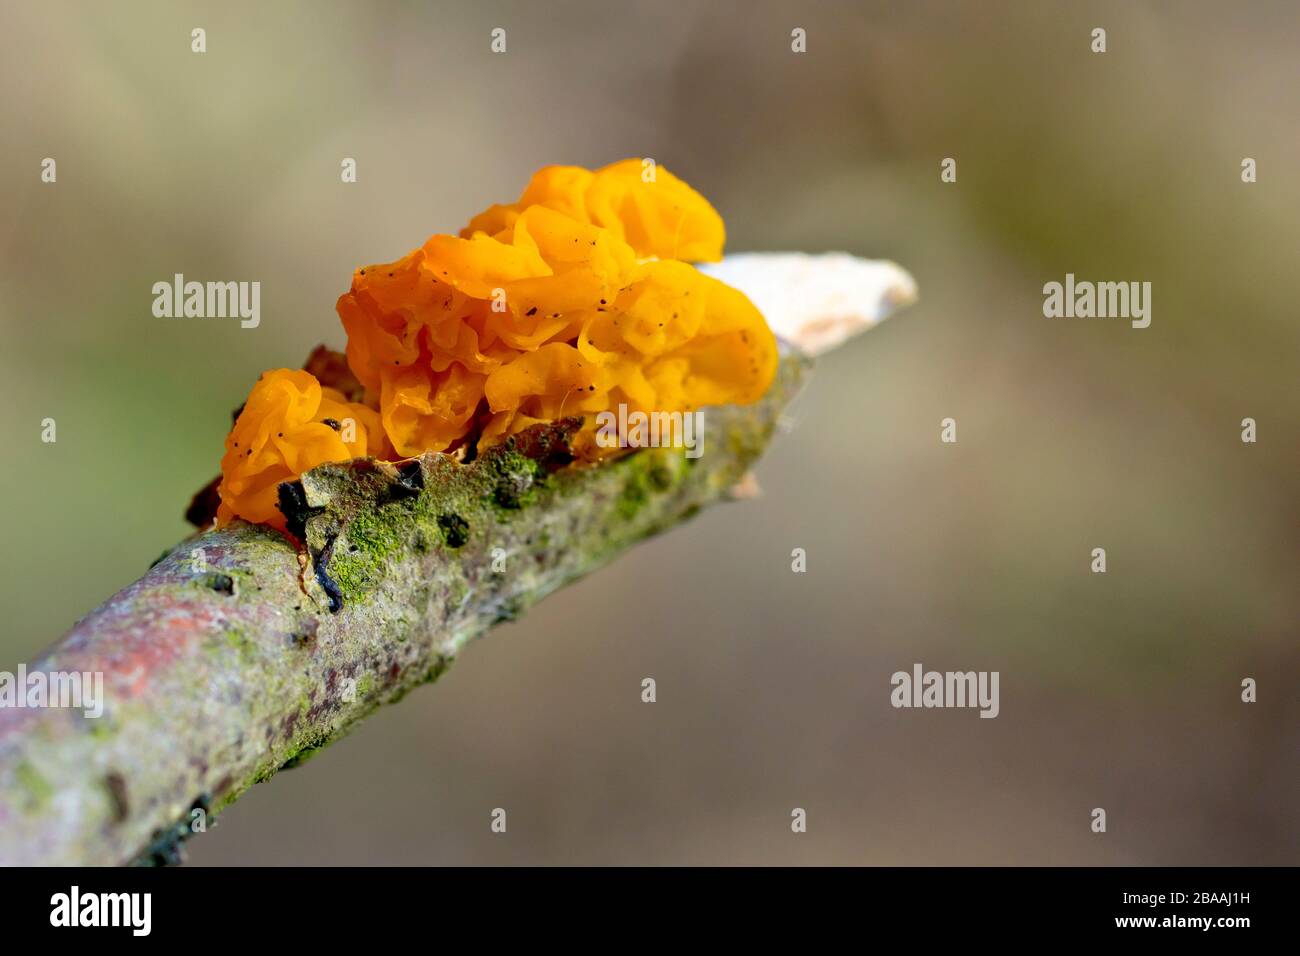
<point>241,653</point>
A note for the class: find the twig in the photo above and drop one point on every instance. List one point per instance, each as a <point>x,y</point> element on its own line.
<point>239,653</point>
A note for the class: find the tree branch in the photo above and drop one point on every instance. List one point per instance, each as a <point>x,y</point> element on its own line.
<point>240,653</point>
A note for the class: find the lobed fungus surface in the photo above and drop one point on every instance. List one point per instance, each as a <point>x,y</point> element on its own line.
<point>577,299</point>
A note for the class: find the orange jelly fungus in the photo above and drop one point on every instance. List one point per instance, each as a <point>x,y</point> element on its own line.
<point>576,299</point>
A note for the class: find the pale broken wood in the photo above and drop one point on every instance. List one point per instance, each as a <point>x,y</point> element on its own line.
<point>814,302</point>
<point>817,302</point>
<point>237,654</point>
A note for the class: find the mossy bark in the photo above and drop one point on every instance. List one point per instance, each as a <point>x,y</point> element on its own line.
<point>240,652</point>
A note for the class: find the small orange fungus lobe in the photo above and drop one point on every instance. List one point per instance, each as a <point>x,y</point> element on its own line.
<point>289,425</point>
<point>576,299</point>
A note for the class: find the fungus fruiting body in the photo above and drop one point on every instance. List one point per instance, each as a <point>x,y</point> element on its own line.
<point>579,298</point>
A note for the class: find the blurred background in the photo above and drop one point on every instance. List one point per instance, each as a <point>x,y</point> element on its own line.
<point>1119,690</point>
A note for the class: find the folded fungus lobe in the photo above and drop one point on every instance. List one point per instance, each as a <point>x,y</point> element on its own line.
<point>576,299</point>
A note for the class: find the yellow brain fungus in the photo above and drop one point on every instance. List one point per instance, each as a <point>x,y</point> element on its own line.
<point>289,425</point>
<point>576,299</point>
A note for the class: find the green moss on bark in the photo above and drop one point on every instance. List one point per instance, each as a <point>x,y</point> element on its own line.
<point>403,565</point>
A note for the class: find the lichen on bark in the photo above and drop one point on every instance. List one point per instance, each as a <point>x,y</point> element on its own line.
<point>242,652</point>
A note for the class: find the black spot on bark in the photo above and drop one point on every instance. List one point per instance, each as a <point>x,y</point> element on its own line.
<point>292,502</point>
<point>167,848</point>
<point>320,563</point>
<point>221,583</point>
<point>408,484</point>
<point>203,506</point>
<point>305,635</point>
<point>115,784</point>
<point>455,529</point>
